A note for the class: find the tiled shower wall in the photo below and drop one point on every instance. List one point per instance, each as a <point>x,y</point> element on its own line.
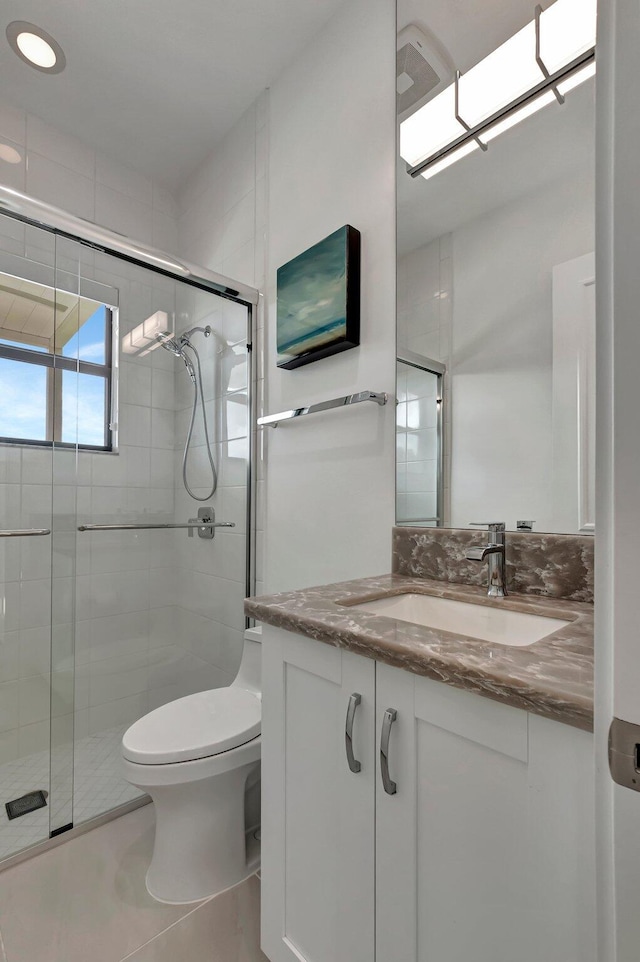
<point>123,583</point>
<point>222,225</point>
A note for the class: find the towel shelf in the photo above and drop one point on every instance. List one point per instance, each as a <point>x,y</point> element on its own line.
<point>273,420</point>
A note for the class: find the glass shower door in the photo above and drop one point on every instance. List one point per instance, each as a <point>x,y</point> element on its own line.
<point>158,611</point>
<point>27,326</point>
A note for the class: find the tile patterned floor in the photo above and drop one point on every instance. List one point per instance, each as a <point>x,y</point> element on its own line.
<point>98,786</point>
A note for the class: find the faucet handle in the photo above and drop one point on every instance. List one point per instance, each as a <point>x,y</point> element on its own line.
<point>491,525</point>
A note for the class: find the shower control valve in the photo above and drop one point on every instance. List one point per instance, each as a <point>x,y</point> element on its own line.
<point>205,524</point>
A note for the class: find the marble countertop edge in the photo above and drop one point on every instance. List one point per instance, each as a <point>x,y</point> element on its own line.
<point>552,678</point>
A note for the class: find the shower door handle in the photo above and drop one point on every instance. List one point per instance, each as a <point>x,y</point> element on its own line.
<point>353,762</point>
<point>24,532</point>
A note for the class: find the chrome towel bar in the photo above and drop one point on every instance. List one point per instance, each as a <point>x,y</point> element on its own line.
<point>205,524</point>
<point>141,527</point>
<point>24,532</point>
<point>273,420</point>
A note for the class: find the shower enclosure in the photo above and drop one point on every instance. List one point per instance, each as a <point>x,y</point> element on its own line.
<point>117,593</point>
<point>420,454</point>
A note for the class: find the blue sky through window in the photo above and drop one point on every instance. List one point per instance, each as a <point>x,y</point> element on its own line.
<point>89,344</point>
<point>23,400</point>
<point>83,407</point>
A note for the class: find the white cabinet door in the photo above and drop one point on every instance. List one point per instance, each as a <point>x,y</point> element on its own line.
<point>451,843</point>
<point>485,851</point>
<point>318,845</point>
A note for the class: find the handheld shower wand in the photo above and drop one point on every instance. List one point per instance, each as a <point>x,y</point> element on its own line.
<point>177,348</point>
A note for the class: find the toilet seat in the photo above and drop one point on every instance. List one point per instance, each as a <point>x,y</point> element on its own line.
<point>197,726</point>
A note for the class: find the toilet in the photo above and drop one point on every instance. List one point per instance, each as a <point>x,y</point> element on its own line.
<point>199,759</point>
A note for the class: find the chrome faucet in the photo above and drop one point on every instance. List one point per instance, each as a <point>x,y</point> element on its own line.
<point>494,552</point>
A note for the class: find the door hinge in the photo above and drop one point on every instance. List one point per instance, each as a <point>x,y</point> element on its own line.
<point>624,754</point>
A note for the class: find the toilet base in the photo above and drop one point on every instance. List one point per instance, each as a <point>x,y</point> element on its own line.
<point>252,848</point>
<point>200,848</point>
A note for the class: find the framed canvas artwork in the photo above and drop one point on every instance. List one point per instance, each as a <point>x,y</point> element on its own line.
<point>319,300</point>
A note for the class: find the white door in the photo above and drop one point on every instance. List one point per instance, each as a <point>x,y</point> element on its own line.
<point>317,814</point>
<point>617,642</point>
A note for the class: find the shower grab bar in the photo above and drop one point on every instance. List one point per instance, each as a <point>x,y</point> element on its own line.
<point>139,527</point>
<point>272,420</point>
<point>24,532</point>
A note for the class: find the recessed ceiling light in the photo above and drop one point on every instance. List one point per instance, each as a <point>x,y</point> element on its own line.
<point>9,154</point>
<point>36,47</point>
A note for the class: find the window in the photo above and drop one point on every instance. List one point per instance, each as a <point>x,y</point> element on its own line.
<point>55,366</point>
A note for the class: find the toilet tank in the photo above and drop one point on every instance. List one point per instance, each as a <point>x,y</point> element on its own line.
<point>250,672</point>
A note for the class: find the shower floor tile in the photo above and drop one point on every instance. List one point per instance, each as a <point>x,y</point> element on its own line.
<point>98,786</point>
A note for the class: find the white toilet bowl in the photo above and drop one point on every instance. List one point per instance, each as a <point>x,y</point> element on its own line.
<point>197,757</point>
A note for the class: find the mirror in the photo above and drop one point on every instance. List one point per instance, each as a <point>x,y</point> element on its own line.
<point>496,291</point>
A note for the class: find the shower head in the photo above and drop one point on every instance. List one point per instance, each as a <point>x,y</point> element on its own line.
<point>170,344</point>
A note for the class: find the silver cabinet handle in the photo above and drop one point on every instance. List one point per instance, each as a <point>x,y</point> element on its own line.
<point>354,701</point>
<point>388,719</point>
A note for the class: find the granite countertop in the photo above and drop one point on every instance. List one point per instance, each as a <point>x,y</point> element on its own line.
<point>553,677</point>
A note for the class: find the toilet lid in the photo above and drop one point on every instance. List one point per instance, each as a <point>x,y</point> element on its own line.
<point>197,726</point>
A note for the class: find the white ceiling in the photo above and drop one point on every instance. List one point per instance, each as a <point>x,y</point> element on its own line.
<point>156,83</point>
<point>468,29</point>
<point>33,314</point>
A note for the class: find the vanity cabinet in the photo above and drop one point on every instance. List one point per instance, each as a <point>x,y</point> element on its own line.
<point>485,850</point>
<point>318,818</point>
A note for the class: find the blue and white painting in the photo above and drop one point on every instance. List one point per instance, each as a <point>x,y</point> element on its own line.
<point>318,300</point>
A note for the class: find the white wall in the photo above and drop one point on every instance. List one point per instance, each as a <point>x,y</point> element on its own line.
<point>480,301</point>
<point>330,494</point>
<point>502,349</point>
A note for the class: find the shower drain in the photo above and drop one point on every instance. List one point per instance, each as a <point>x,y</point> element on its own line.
<point>25,804</point>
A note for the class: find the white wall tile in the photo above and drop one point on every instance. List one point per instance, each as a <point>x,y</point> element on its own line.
<point>47,179</point>
<point>33,699</point>
<point>33,738</point>
<point>13,174</point>
<point>124,180</point>
<point>8,746</point>
<point>13,124</point>
<point>164,201</point>
<point>164,232</point>
<point>123,214</point>
<point>10,656</point>
<point>65,150</point>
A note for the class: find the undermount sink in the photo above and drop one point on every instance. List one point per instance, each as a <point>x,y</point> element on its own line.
<point>483,622</point>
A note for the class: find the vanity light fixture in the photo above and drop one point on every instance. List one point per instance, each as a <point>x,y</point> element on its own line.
<point>540,64</point>
<point>36,47</point>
